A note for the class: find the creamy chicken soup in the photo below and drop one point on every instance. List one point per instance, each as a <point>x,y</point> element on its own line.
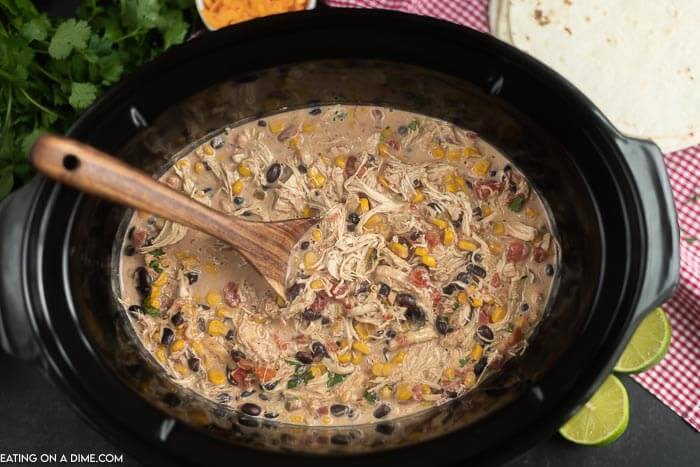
<point>430,267</point>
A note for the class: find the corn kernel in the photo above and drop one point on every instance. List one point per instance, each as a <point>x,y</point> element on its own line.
<point>420,251</point>
<point>453,154</point>
<point>449,373</point>
<point>216,328</point>
<point>429,261</point>
<point>466,245</point>
<point>481,167</point>
<point>377,368</point>
<point>400,250</point>
<point>398,358</point>
<point>310,260</point>
<point>388,369</point>
<point>403,392</point>
<point>439,223</point>
<point>340,161</point>
<point>276,126</point>
<point>383,149</point>
<point>316,234</point>
<point>343,344</point>
<point>437,152</point>
<point>385,392</point>
<point>326,420</point>
<point>470,152</point>
<point>317,370</point>
<point>425,389</point>
<point>208,150</point>
<point>363,330</point>
<point>199,168</point>
<point>211,268</point>
<point>216,377</point>
<point>476,352</point>
<point>360,347</point>
<point>495,247</point>
<point>318,181</point>
<point>299,419</point>
<point>295,142</point>
<point>160,354</point>
<point>197,347</point>
<point>345,357</point>
<point>213,299</point>
<point>357,358</point>
<point>308,127</point>
<point>161,280</point>
<point>448,237</point>
<point>499,229</point>
<point>460,181</point>
<point>452,188</point>
<point>244,170</point>
<point>177,346</point>
<point>498,314</point>
<point>373,221</point>
<point>531,213</point>
<point>476,301</point>
<point>181,369</point>
<point>462,298</point>
<point>223,312</point>
<point>471,288</point>
<point>486,211</point>
<point>182,164</point>
<point>488,299</point>
<point>317,284</point>
<point>469,379</point>
<point>364,206</point>
<point>306,212</point>
<point>417,197</point>
<point>386,133</point>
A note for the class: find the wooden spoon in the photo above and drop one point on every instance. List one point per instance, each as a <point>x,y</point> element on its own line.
<point>265,245</point>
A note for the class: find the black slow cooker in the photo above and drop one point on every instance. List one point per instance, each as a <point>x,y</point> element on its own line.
<point>609,196</point>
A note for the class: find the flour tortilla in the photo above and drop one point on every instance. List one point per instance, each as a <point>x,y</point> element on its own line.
<point>637,60</point>
<point>498,19</point>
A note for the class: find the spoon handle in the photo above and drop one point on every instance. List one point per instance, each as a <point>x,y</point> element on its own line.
<point>88,169</point>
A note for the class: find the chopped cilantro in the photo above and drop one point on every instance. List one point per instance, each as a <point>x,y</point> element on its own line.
<point>371,396</point>
<point>517,204</point>
<point>155,265</point>
<point>413,125</point>
<point>334,378</point>
<point>150,310</point>
<point>158,252</point>
<point>463,361</point>
<point>299,379</point>
<point>455,306</point>
<point>293,362</point>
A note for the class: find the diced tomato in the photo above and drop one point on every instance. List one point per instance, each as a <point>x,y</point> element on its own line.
<point>496,280</point>
<point>322,410</point>
<point>436,295</point>
<point>484,317</point>
<point>232,296</point>
<point>138,238</point>
<point>485,189</point>
<point>432,238</point>
<point>320,301</point>
<point>239,376</point>
<point>517,251</point>
<point>539,254</point>
<point>419,277</point>
<point>350,166</point>
<point>245,364</point>
<point>265,374</point>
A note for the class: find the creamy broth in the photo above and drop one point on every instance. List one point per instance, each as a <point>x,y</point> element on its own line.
<point>431,266</point>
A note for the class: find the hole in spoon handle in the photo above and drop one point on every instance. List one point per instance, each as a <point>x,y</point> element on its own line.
<point>71,162</point>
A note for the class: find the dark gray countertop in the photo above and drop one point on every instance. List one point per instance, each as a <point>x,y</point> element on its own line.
<point>37,418</point>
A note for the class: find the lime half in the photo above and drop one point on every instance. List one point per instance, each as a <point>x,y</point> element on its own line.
<point>648,345</point>
<point>603,419</point>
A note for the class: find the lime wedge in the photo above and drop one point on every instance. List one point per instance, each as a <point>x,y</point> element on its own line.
<point>648,345</point>
<point>603,419</point>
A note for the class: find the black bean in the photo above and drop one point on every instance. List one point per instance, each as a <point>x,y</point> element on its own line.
<point>237,355</point>
<point>442,324</point>
<point>269,386</point>
<point>382,411</point>
<point>315,111</point>
<point>171,399</point>
<point>405,300</point>
<point>143,281</point>
<point>476,270</point>
<point>318,351</point>
<point>477,257</point>
<point>549,270</point>
<point>304,357</point>
<point>354,218</point>
<point>352,413</point>
<point>402,130</point>
<point>302,168</point>
<point>384,290</point>
<point>273,172</point>
<point>193,363</point>
<point>217,142</point>
<point>136,309</point>
<point>177,319</point>
<point>204,306</point>
<point>192,277</point>
<point>223,398</point>
<point>390,334</point>
<point>251,409</point>
<point>248,393</point>
<point>338,410</point>
<point>449,289</point>
<point>325,320</point>
<point>363,287</point>
<point>304,245</point>
<point>238,200</point>
<point>351,227</point>
<point>129,251</point>
<point>249,422</point>
<point>485,333</point>
<point>262,123</point>
<point>264,396</point>
<point>201,325</point>
<point>476,212</point>
<point>230,335</point>
<point>310,315</point>
<point>294,291</point>
<point>167,337</point>
<point>415,314</point>
<point>480,365</point>
<point>492,173</point>
<point>524,307</point>
<point>270,414</point>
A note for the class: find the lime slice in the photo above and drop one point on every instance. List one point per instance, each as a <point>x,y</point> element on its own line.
<point>603,419</point>
<point>648,345</point>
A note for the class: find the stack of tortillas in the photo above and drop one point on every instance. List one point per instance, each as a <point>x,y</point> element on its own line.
<point>637,60</point>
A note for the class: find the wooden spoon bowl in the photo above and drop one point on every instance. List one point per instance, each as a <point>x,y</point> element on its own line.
<point>265,245</point>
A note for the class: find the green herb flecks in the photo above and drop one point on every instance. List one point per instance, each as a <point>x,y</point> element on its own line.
<point>155,265</point>
<point>334,378</point>
<point>371,396</point>
<point>517,204</point>
<point>463,361</point>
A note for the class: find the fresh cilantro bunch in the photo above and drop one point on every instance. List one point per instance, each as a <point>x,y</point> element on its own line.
<point>51,69</point>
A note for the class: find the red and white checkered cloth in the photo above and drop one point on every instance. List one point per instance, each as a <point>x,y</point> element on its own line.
<point>676,380</point>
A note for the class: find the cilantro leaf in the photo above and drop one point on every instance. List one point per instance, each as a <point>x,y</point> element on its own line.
<point>517,204</point>
<point>69,35</point>
<point>463,361</point>
<point>29,139</point>
<point>150,310</point>
<point>155,265</point>
<point>370,396</point>
<point>173,28</point>
<point>82,95</point>
<point>36,29</point>
<point>158,252</point>
<point>334,378</point>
